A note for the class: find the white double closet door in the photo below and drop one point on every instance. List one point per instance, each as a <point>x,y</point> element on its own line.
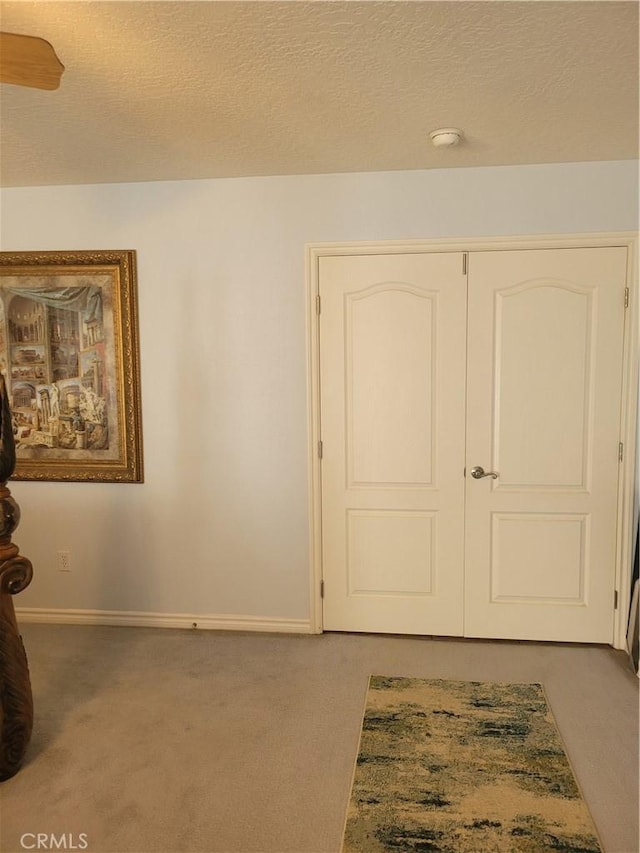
<point>432,365</point>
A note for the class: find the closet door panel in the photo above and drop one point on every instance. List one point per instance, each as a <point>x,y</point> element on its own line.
<point>392,367</point>
<point>543,414</point>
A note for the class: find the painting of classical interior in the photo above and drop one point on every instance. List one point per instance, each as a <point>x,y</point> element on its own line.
<point>52,351</point>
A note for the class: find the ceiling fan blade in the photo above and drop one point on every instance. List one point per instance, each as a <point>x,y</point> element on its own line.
<point>29,61</point>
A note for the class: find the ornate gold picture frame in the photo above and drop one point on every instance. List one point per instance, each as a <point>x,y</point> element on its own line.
<point>69,350</point>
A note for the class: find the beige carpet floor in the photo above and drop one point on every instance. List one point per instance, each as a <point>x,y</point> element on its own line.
<point>198,742</point>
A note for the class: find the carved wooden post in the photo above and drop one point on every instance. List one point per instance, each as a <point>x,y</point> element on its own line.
<point>16,703</point>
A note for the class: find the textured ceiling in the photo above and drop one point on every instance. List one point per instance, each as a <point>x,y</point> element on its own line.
<point>176,90</point>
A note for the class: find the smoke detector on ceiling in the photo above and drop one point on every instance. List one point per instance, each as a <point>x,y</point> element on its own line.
<point>445,137</point>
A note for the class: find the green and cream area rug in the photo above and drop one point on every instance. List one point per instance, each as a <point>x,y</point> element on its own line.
<point>463,767</point>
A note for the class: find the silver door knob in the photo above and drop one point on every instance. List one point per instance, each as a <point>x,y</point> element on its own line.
<point>478,473</point>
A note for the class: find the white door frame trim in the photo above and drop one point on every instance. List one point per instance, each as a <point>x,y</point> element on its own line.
<point>627,484</point>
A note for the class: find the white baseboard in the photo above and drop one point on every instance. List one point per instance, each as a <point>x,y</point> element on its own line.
<point>132,618</point>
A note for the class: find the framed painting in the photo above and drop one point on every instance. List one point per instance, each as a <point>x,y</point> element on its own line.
<point>69,351</point>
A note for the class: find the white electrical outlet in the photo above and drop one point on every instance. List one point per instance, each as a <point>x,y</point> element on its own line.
<point>64,561</point>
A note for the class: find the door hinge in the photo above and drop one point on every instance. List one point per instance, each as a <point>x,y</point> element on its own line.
<point>318,304</point>
<point>615,600</point>
<point>620,451</point>
<point>626,297</point>
<point>465,256</point>
<point>320,449</point>
<point>321,589</point>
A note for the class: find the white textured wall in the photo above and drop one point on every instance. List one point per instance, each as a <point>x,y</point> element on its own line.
<point>220,524</point>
